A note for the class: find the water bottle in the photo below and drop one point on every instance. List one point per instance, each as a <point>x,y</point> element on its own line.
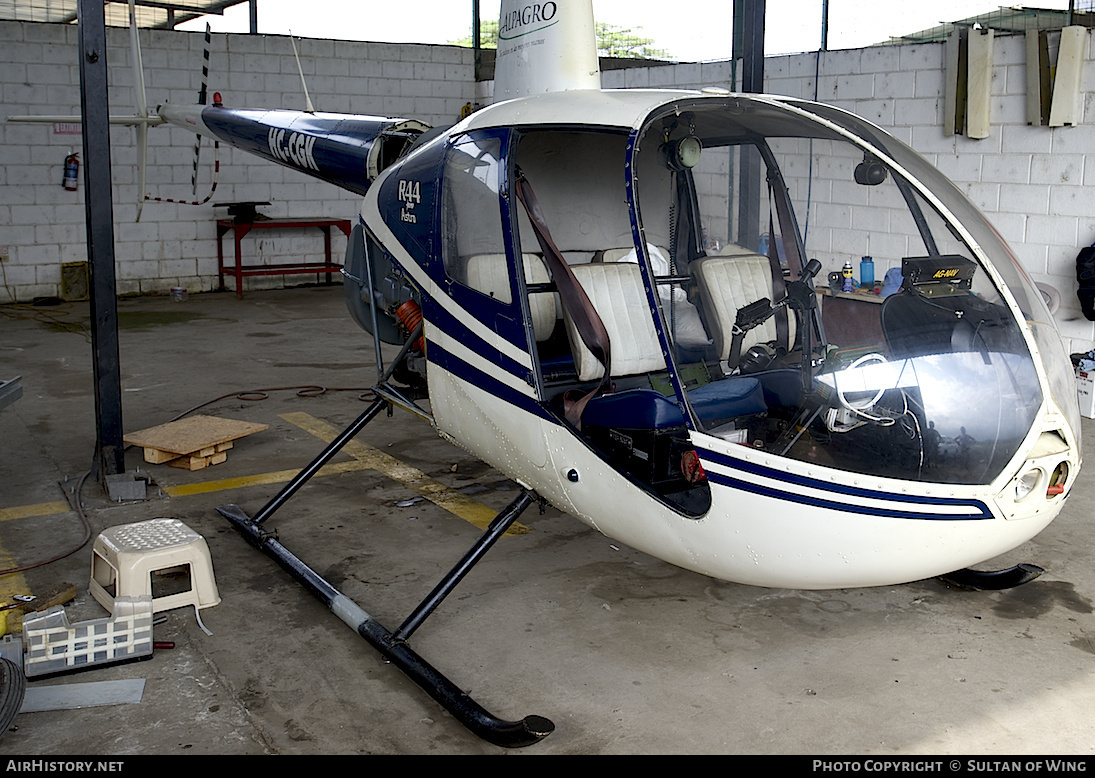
<point>866,271</point>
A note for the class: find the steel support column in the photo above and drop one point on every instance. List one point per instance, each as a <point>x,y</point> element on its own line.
<point>99,209</point>
<point>476,40</point>
<point>749,45</point>
<point>752,49</point>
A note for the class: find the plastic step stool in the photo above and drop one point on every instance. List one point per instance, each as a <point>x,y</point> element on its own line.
<point>127,558</point>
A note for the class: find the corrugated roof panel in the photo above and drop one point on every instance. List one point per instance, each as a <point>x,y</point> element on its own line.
<point>150,13</point>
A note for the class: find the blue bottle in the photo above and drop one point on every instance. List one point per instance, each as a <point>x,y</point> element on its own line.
<point>866,271</point>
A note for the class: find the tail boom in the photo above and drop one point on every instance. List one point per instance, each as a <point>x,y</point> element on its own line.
<point>346,150</point>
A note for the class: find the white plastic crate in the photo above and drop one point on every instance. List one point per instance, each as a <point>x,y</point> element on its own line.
<point>54,645</point>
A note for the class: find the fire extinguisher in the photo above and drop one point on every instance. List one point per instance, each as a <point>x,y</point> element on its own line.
<point>72,171</point>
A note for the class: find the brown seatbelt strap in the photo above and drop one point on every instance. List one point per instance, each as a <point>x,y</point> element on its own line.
<point>575,301</point>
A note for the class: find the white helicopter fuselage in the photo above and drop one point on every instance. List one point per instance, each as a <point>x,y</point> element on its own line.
<point>788,525</point>
<point>774,518</point>
<point>617,302</point>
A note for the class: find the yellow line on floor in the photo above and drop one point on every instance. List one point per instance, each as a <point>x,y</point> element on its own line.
<point>184,490</point>
<point>466,508</point>
<point>10,585</point>
<point>16,583</point>
<point>38,509</point>
<point>276,477</point>
<point>365,458</point>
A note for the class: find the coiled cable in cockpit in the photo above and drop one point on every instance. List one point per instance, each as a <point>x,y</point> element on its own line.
<point>862,408</point>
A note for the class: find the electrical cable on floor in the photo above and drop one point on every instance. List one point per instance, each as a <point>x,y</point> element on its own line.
<point>255,395</point>
<point>249,395</point>
<point>52,316</point>
<point>83,520</point>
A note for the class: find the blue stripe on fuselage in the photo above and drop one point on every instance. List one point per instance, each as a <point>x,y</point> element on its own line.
<point>485,381</point>
<point>844,497</point>
<point>452,326</point>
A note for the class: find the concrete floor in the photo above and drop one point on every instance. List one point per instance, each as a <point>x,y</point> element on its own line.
<point>624,653</point>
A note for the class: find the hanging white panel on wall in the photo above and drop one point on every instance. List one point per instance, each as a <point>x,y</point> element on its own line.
<point>954,91</point>
<point>979,84</point>
<point>1038,82</point>
<point>1066,86</point>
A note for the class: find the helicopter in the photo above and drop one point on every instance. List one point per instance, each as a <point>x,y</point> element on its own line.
<point>615,298</point>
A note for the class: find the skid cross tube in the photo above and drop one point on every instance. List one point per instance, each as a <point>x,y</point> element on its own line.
<point>509,734</point>
<point>313,467</point>
<point>497,528</point>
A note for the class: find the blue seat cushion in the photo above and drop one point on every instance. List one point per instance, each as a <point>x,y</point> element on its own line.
<point>633,409</point>
<point>728,398</point>
<point>781,387</point>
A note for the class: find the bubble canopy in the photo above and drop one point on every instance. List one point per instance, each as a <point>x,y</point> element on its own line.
<point>890,328</point>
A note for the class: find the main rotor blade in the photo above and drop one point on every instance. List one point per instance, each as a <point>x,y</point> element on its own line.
<point>142,152</point>
<point>138,70</point>
<point>142,107</point>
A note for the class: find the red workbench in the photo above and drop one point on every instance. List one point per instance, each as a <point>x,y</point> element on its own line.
<point>240,229</point>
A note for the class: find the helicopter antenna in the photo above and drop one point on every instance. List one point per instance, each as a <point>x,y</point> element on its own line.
<point>307,100</point>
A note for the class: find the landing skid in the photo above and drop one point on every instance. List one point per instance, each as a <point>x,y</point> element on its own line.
<point>393,645</point>
<point>992,580</point>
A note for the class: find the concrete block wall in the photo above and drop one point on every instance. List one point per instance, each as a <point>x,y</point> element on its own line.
<point>174,245</point>
<point>1035,184</point>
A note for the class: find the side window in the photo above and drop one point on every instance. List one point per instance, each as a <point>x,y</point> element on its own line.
<point>474,249</point>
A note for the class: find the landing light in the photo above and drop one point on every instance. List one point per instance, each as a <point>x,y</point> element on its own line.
<point>1026,483</point>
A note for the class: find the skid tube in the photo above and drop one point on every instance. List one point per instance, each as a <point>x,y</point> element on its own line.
<point>393,645</point>
<point>992,580</point>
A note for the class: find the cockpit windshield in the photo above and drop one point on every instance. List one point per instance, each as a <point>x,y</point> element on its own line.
<point>824,303</point>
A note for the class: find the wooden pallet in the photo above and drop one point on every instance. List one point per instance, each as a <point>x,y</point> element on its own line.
<point>191,443</point>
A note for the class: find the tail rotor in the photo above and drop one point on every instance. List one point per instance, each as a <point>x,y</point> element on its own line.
<point>203,99</point>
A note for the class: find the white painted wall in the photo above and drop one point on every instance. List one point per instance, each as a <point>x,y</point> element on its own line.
<point>1036,184</point>
<point>42,224</point>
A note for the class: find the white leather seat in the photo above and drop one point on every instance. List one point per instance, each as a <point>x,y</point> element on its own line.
<point>728,282</point>
<point>616,291</point>
<point>489,273</point>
